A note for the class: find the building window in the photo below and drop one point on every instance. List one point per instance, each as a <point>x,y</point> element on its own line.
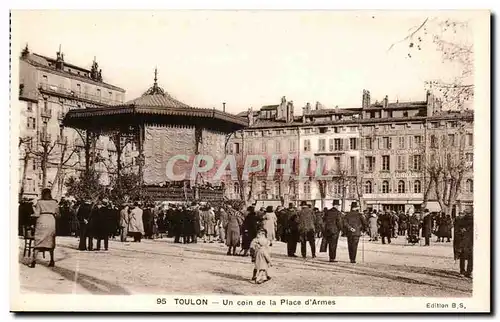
<point>307,145</point>
<point>417,162</point>
<point>250,148</point>
<point>417,140</point>
<point>401,186</point>
<point>330,143</point>
<point>335,188</point>
<point>276,190</point>
<point>469,157</point>
<point>434,125</point>
<point>30,107</point>
<point>236,188</point>
<point>469,186</point>
<point>307,188</point>
<point>401,162</point>
<point>237,148</point>
<point>405,114</point>
<point>277,146</point>
<point>386,142</point>
<point>293,145</point>
<point>323,130</point>
<point>336,164</point>
<point>386,163</point>
<point>451,139</point>
<point>434,141</point>
<point>368,187</point>
<point>45,79</point>
<point>352,144</point>
<point>34,165</point>
<point>369,143</point>
<point>322,145</point>
<point>352,165</point>
<point>417,186</point>
<point>336,130</point>
<point>401,142</point>
<point>352,129</point>
<point>98,92</point>
<point>370,163</point>
<point>263,189</point>
<point>385,186</point>
<point>470,139</point>
<point>31,123</point>
<point>263,147</point>
<point>338,144</point>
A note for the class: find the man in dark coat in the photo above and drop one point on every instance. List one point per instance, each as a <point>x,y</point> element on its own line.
<point>280,223</point>
<point>103,224</point>
<point>306,229</point>
<point>249,229</point>
<point>427,227</point>
<point>292,230</point>
<point>332,220</point>
<point>25,212</point>
<point>83,215</point>
<point>463,242</point>
<point>403,224</point>
<point>385,223</point>
<point>194,213</point>
<point>354,224</point>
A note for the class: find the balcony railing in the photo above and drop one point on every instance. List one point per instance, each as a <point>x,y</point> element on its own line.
<point>46,112</point>
<point>71,93</point>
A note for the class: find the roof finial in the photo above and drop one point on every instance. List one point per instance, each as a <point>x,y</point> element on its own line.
<point>156,76</point>
<point>155,89</point>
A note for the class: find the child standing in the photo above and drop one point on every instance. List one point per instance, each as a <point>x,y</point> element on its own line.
<point>261,256</point>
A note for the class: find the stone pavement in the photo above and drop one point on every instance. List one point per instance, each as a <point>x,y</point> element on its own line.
<point>162,267</point>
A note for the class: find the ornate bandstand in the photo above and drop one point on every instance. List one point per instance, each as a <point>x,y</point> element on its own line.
<point>161,127</point>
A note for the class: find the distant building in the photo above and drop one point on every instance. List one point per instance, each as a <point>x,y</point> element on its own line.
<point>374,154</point>
<point>48,88</point>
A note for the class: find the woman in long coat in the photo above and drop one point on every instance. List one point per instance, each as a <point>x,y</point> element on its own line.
<point>234,222</point>
<point>444,228</point>
<point>207,217</point>
<point>46,212</point>
<point>372,223</point>
<point>269,224</point>
<point>249,229</point>
<point>135,224</point>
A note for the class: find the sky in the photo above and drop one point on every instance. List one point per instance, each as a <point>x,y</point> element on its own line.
<point>243,58</point>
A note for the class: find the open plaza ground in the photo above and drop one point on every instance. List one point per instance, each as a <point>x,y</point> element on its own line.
<point>162,267</point>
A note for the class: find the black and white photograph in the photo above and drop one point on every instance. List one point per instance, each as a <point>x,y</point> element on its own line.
<point>250,160</point>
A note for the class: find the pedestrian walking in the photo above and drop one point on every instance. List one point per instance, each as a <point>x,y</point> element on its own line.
<point>373,226</point>
<point>385,222</point>
<point>426,224</point>
<point>261,256</point>
<point>124,218</point>
<point>136,225</point>
<point>332,221</point>
<point>46,211</point>
<point>463,242</point>
<point>306,229</point>
<point>233,230</point>
<point>292,230</point>
<point>355,225</point>
<point>269,224</point>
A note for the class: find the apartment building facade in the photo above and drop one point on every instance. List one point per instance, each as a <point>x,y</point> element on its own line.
<point>48,89</point>
<point>376,154</point>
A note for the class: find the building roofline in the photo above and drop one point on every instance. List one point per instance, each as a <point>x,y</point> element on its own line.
<point>70,75</point>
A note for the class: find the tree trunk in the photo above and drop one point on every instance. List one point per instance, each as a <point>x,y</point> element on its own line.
<point>44,161</point>
<point>23,175</point>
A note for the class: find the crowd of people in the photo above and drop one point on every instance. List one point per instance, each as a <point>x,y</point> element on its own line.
<point>245,232</point>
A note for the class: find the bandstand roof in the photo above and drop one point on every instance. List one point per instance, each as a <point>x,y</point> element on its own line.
<point>155,107</point>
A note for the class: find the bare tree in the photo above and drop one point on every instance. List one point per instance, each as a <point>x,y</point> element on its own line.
<point>446,164</point>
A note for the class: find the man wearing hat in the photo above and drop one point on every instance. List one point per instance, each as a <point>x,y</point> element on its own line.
<point>427,227</point>
<point>124,214</point>
<point>306,229</point>
<point>332,220</point>
<point>292,230</point>
<point>83,215</point>
<point>355,224</point>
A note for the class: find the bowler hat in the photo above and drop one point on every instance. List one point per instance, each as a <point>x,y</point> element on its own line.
<point>336,203</point>
<point>303,203</point>
<point>354,204</point>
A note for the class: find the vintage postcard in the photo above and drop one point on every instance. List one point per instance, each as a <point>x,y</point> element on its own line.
<point>250,161</point>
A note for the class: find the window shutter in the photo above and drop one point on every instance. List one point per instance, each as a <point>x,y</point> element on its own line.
<point>361,144</point>
<point>404,162</point>
<point>390,142</point>
<point>358,144</point>
<point>346,144</point>
<point>362,164</point>
<point>379,140</point>
<point>410,142</point>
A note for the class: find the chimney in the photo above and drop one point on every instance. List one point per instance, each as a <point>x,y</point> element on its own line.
<point>289,112</point>
<point>365,101</point>
<point>385,102</point>
<point>25,52</point>
<point>224,107</point>
<point>307,109</point>
<point>60,59</point>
